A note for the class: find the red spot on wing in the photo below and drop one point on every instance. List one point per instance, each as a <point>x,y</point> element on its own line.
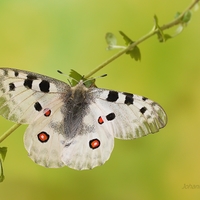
<point>47,112</point>
<point>43,137</point>
<point>95,143</point>
<point>100,120</point>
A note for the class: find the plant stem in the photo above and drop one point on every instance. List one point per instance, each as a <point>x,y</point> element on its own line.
<point>142,39</point>
<point>8,132</point>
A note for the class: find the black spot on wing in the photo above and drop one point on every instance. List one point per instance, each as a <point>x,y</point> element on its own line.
<point>94,143</point>
<point>37,106</point>
<point>68,144</point>
<point>110,116</point>
<point>112,96</point>
<point>28,83</point>
<point>128,94</point>
<point>47,112</point>
<point>128,100</point>
<point>100,120</point>
<point>43,137</point>
<point>11,86</point>
<point>16,73</point>
<point>32,77</point>
<point>144,98</point>
<point>143,110</point>
<point>44,86</point>
<point>5,72</point>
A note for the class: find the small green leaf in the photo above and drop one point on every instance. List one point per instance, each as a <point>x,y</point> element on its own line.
<point>111,39</point>
<point>162,37</point>
<point>178,30</point>
<point>156,26</point>
<point>76,77</point>
<point>112,42</point>
<point>167,37</point>
<point>135,53</point>
<point>2,177</point>
<point>187,17</point>
<point>3,151</point>
<point>160,34</point>
<point>177,15</point>
<point>126,38</point>
<point>89,83</point>
<point>155,21</point>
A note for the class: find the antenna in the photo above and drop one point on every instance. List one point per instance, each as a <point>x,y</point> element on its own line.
<point>83,81</point>
<point>94,78</point>
<point>69,77</point>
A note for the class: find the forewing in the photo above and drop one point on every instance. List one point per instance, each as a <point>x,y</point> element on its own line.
<point>129,116</point>
<point>23,94</point>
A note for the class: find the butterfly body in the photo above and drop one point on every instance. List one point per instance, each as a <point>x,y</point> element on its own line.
<point>73,126</point>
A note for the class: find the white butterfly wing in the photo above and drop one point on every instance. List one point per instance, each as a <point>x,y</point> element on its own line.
<point>44,139</point>
<point>111,114</point>
<point>24,94</point>
<point>93,146</point>
<point>34,99</point>
<point>130,116</point>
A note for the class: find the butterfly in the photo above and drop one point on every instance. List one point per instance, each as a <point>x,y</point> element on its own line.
<point>73,126</point>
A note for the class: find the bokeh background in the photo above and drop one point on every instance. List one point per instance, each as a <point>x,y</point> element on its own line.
<point>44,36</point>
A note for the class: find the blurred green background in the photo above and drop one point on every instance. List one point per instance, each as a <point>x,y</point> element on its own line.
<point>44,36</point>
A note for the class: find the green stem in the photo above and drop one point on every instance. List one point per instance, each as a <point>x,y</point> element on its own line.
<point>8,132</point>
<point>142,39</point>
